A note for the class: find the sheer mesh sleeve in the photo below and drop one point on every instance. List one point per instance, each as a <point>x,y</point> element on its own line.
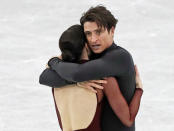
<point>99,95</point>
<point>126,113</point>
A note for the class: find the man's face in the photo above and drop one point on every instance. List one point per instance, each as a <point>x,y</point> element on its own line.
<point>99,39</point>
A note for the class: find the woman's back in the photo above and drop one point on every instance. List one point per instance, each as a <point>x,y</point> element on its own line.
<point>76,106</point>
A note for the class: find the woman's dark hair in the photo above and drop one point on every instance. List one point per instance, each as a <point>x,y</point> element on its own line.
<point>101,16</point>
<point>71,43</point>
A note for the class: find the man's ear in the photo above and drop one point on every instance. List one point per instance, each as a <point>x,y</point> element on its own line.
<point>112,30</point>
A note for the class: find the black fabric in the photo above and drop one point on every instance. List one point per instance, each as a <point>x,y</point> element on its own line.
<point>115,61</point>
<point>50,78</point>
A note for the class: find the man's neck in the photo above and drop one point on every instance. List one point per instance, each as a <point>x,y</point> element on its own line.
<point>95,56</point>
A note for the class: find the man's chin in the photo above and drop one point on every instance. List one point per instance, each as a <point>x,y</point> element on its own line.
<point>97,51</point>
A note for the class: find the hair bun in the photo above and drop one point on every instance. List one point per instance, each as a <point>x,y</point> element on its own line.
<point>68,56</point>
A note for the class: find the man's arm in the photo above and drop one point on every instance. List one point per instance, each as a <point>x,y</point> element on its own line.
<point>51,78</point>
<point>114,63</point>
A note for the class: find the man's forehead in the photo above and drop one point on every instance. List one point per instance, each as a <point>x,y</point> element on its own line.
<point>91,26</point>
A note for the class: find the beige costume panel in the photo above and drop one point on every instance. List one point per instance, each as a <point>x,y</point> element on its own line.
<point>76,105</point>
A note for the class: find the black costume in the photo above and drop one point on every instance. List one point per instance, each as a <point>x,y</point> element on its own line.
<point>114,61</point>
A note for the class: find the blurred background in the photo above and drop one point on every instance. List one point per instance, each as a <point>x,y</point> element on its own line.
<point>29,33</point>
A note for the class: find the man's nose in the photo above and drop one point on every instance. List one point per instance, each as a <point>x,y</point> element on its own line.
<point>94,38</point>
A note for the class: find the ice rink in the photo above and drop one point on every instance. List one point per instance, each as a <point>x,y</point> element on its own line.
<point>29,33</point>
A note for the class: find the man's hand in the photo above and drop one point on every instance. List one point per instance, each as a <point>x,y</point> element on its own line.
<point>52,59</point>
<point>47,66</point>
<point>92,84</point>
<point>60,57</point>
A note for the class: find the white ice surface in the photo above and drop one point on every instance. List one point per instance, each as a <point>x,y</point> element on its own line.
<point>29,33</point>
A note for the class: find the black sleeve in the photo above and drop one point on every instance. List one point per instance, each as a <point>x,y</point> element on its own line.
<point>114,63</point>
<point>51,78</point>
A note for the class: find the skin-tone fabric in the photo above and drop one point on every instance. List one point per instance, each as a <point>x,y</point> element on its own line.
<point>95,125</point>
<point>74,104</point>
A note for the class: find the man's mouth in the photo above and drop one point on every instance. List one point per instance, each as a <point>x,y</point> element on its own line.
<point>95,47</point>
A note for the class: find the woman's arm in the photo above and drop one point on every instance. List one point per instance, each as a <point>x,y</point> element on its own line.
<point>126,113</point>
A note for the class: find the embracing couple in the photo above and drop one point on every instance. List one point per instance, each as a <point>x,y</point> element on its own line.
<point>96,86</point>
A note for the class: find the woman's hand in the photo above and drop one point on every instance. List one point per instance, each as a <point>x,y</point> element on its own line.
<point>92,84</point>
<point>87,49</point>
<point>138,80</point>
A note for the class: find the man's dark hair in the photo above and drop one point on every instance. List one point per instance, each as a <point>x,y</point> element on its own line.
<point>71,43</point>
<point>101,16</point>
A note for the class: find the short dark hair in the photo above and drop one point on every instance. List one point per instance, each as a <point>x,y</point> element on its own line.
<point>71,43</point>
<point>101,16</point>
